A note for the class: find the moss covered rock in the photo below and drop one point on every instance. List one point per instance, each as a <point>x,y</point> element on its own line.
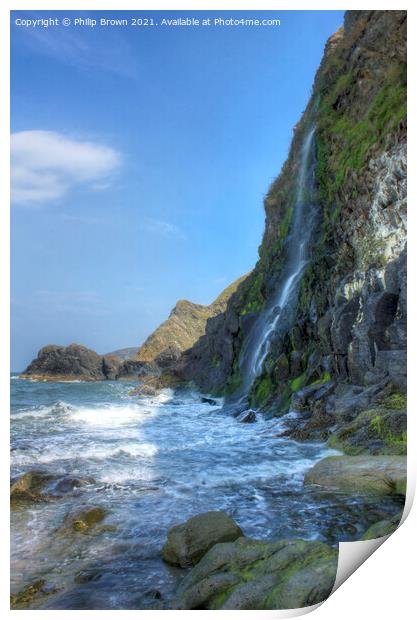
<point>188,542</point>
<point>375,431</point>
<point>255,574</point>
<point>361,474</point>
<point>36,590</point>
<point>382,528</point>
<point>84,519</point>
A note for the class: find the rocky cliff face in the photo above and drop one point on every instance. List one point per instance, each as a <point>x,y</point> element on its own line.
<point>349,323</point>
<point>184,326</point>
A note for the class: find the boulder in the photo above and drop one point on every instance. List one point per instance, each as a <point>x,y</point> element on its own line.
<point>29,487</point>
<point>360,474</point>
<point>208,401</point>
<point>383,528</point>
<point>255,574</point>
<point>85,518</point>
<point>41,486</point>
<point>248,417</point>
<point>188,542</point>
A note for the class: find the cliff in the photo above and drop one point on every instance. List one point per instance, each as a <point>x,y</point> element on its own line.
<point>184,326</point>
<point>348,323</point>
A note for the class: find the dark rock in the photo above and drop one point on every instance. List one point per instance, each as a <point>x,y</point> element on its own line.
<point>75,362</point>
<point>255,574</point>
<point>188,542</point>
<point>248,417</point>
<point>282,368</point>
<point>132,369</point>
<point>111,364</point>
<point>85,576</point>
<point>208,401</point>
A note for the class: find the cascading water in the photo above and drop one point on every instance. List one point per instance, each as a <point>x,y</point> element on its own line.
<point>275,317</point>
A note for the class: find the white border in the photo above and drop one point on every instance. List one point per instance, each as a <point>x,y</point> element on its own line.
<point>390,566</point>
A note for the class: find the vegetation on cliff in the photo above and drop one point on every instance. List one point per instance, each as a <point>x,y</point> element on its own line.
<point>349,320</point>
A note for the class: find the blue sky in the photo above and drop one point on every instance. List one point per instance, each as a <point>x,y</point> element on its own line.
<point>140,158</point>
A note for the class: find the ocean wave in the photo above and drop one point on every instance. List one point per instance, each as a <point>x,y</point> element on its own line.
<point>43,411</point>
<point>98,452</point>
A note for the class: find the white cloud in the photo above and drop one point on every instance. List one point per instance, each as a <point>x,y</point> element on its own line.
<point>45,165</point>
<point>166,229</point>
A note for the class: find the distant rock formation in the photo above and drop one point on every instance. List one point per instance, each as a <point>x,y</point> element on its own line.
<point>184,326</point>
<point>129,353</point>
<point>78,363</point>
<point>74,362</point>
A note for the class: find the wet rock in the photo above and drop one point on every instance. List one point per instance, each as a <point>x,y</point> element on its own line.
<point>282,368</point>
<point>188,542</point>
<point>208,401</point>
<point>153,594</point>
<point>85,576</point>
<point>382,528</point>
<point>36,590</point>
<point>39,486</point>
<point>29,487</point>
<point>143,390</point>
<point>84,519</point>
<point>254,574</point>
<point>68,484</point>
<point>248,417</point>
<point>360,474</point>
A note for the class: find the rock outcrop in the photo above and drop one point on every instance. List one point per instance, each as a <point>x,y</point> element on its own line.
<point>256,574</point>
<point>78,363</point>
<point>74,362</point>
<point>184,326</point>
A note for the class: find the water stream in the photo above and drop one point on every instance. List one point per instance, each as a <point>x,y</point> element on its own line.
<point>276,315</point>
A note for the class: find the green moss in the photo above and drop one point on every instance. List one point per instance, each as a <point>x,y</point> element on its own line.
<point>345,143</point>
<point>252,299</point>
<point>395,401</point>
<point>234,381</point>
<point>373,424</point>
<point>215,360</point>
<point>262,391</point>
<point>299,382</point>
<point>324,377</point>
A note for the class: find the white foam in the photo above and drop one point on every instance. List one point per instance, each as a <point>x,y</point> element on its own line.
<point>110,415</point>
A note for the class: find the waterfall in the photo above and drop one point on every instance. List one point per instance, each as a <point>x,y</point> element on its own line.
<point>276,316</point>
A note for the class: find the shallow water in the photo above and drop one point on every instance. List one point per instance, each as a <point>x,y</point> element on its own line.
<point>155,462</point>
